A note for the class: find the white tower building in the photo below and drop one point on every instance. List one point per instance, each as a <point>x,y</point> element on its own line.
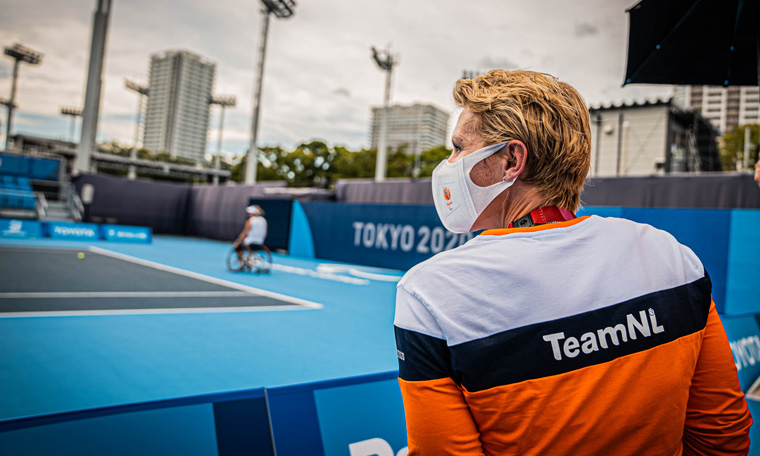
<point>420,127</point>
<point>177,115</point>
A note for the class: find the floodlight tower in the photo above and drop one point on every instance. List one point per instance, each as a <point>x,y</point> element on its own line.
<point>20,54</point>
<point>282,9</point>
<point>94,83</point>
<point>5,102</point>
<point>142,91</point>
<point>223,101</point>
<point>385,61</point>
<point>73,113</point>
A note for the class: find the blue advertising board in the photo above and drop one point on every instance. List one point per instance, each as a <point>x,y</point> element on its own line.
<point>124,233</point>
<point>389,236</point>
<point>18,228</point>
<point>72,231</point>
<point>358,416</point>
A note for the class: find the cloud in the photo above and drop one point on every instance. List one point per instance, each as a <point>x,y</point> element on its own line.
<point>320,80</point>
<point>342,91</point>
<point>583,29</point>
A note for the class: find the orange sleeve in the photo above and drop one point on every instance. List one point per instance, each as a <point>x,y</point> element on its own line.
<point>717,417</point>
<point>438,421</point>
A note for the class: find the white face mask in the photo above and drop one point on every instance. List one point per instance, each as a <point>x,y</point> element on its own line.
<point>458,201</point>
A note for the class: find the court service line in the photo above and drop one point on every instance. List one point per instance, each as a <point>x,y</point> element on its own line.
<point>124,294</point>
<point>186,310</point>
<point>373,276</point>
<point>205,278</point>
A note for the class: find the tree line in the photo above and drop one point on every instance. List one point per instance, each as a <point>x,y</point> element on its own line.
<point>312,164</point>
<point>315,164</point>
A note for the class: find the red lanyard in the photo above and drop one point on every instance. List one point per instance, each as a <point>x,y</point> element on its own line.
<point>542,215</point>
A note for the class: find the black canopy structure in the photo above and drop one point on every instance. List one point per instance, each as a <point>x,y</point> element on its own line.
<point>694,42</point>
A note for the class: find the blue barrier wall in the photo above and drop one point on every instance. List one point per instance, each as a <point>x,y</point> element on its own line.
<point>744,337</point>
<point>392,236</point>
<point>743,269</point>
<point>223,424</point>
<point>388,236</point>
<point>360,416</point>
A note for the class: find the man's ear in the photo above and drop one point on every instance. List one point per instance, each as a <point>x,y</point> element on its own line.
<point>516,155</point>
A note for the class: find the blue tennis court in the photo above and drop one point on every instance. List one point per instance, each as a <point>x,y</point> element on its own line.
<point>131,323</point>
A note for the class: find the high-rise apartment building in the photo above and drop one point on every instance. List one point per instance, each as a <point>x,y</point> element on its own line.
<point>419,127</point>
<point>724,107</point>
<point>177,114</point>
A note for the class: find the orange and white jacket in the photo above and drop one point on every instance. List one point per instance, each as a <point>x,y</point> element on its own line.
<point>595,336</point>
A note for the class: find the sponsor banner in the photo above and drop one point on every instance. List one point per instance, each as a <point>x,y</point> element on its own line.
<point>70,230</point>
<point>123,233</point>
<point>389,236</point>
<point>358,416</point>
<point>22,229</point>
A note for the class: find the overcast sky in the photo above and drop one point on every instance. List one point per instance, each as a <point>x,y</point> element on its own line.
<point>320,81</point>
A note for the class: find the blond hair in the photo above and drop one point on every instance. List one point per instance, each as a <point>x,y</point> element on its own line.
<point>550,117</point>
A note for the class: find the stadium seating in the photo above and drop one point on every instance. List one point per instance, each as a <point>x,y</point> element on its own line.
<point>36,168</point>
<point>16,193</point>
<point>16,175</point>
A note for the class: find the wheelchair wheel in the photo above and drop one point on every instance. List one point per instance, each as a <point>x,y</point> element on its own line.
<point>262,261</point>
<point>233,262</point>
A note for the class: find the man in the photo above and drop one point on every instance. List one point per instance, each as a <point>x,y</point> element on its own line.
<point>549,334</point>
<point>254,232</point>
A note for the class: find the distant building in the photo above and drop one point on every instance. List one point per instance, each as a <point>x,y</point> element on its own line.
<point>652,137</point>
<point>419,127</point>
<point>724,107</point>
<point>177,114</point>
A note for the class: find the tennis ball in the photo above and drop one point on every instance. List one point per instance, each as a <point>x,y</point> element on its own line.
<point>80,255</point>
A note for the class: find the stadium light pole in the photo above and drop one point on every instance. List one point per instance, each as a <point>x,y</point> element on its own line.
<point>73,113</point>
<point>20,54</point>
<point>385,61</point>
<point>5,102</point>
<point>281,9</point>
<point>223,101</point>
<point>142,91</point>
<point>94,83</point>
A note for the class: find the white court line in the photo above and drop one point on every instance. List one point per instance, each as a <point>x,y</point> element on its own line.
<point>205,278</point>
<point>337,268</point>
<point>124,294</point>
<point>373,276</point>
<point>186,310</point>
